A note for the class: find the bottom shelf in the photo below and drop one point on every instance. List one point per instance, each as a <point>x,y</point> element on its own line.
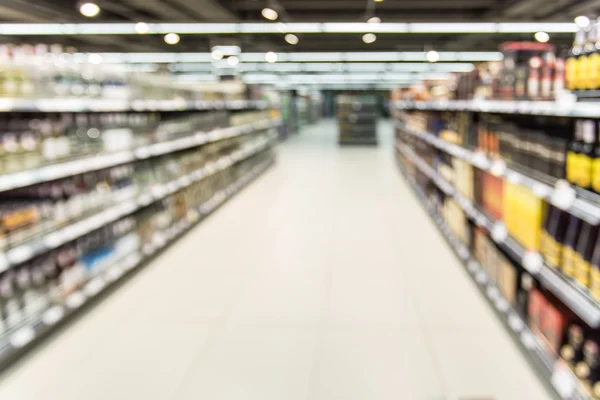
<point>358,141</point>
<point>556,374</point>
<point>24,338</point>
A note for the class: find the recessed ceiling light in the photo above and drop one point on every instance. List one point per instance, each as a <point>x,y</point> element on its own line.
<point>369,38</point>
<point>374,20</point>
<point>142,27</point>
<point>542,37</point>
<point>291,38</point>
<point>172,38</point>
<point>271,57</point>
<point>233,61</point>
<point>378,1</point>
<point>217,55</point>
<point>582,21</point>
<point>432,56</point>
<point>269,14</point>
<point>89,10</point>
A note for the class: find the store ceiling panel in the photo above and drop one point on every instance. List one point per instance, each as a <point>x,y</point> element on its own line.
<point>294,11</point>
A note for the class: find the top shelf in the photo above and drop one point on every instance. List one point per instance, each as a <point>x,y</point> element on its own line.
<point>551,108</point>
<point>113,105</point>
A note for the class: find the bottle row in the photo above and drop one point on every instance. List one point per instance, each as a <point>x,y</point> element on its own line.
<point>567,243</point>
<point>561,333</point>
<point>30,212</point>
<point>30,141</point>
<point>44,71</point>
<point>32,287</point>
<point>583,59</point>
<point>546,148</point>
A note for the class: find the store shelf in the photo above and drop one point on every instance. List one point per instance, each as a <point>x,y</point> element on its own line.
<point>576,298</point>
<point>27,251</point>
<point>97,162</point>
<point>17,342</point>
<point>556,373</point>
<point>78,104</point>
<point>560,195</point>
<point>552,108</point>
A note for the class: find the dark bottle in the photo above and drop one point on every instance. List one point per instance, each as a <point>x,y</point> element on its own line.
<point>554,234</point>
<point>596,161</point>
<point>571,239</point>
<point>586,154</point>
<point>573,153</point>
<point>572,350</point>
<point>584,251</point>
<point>595,271</point>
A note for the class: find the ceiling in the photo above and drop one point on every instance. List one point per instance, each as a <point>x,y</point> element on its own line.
<point>63,11</point>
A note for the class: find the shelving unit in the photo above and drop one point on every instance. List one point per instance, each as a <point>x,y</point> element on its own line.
<point>357,119</point>
<point>563,108</point>
<point>196,161</point>
<point>557,373</point>
<point>19,341</point>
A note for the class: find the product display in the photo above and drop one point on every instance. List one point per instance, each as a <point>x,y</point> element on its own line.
<point>86,193</point>
<point>486,174</point>
<point>357,119</point>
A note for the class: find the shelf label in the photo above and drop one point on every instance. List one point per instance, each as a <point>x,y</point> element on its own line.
<point>94,287</point>
<point>564,195</point>
<point>22,337</point>
<point>20,254</point>
<point>52,315</point>
<point>563,380</point>
<point>515,323</point>
<point>499,232</point>
<point>528,340</point>
<point>75,300</point>
<point>533,262</point>
<point>498,168</point>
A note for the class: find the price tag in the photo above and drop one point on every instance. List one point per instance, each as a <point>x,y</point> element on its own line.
<point>563,196</point>
<point>52,315</point>
<point>473,266</point>
<point>19,254</point>
<point>94,287</point>
<point>481,278</point>
<point>480,160</point>
<point>541,190</point>
<point>563,380</point>
<point>22,337</point>
<point>515,323</point>
<point>498,168</point>
<point>499,232</point>
<point>502,305</point>
<point>463,253</point>
<point>513,177</point>
<point>114,273</point>
<point>533,262</point>
<point>54,239</point>
<point>528,340</point>
<point>142,152</point>
<point>492,293</point>
<point>75,300</point>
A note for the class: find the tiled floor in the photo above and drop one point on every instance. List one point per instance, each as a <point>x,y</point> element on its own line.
<point>322,280</point>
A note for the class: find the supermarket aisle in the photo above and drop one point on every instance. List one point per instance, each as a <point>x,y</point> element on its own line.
<point>322,280</point>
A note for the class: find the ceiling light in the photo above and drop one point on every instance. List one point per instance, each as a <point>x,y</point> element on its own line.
<point>269,14</point>
<point>95,58</point>
<point>291,38</point>
<point>216,55</point>
<point>378,1</point>
<point>270,57</point>
<point>369,38</point>
<point>233,61</point>
<point>542,37</point>
<point>582,21</point>
<point>142,27</point>
<point>171,38</point>
<point>374,20</point>
<point>281,27</point>
<point>89,9</point>
<point>432,56</point>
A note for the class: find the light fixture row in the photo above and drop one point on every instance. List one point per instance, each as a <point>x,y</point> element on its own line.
<point>291,27</point>
<point>417,56</point>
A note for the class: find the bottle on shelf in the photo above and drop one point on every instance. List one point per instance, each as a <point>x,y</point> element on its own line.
<point>583,63</point>
<point>573,150</point>
<point>586,154</point>
<point>572,64</point>
<point>572,350</point>
<point>571,240</point>
<point>592,74</point>
<point>553,236</point>
<point>584,251</point>
<point>595,271</point>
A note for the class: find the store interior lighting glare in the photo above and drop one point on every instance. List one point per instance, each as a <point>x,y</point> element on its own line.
<point>89,10</point>
<point>582,21</point>
<point>291,27</point>
<point>291,38</point>
<point>542,37</point>
<point>369,38</point>
<point>269,14</point>
<point>465,56</point>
